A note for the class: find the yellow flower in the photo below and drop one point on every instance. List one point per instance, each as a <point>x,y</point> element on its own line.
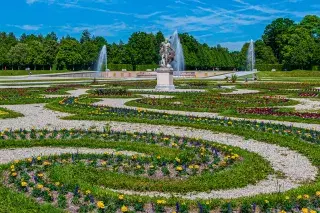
<point>124,209</point>
<point>103,163</point>
<point>191,167</point>
<point>100,205</point>
<point>39,186</point>
<point>179,168</point>
<point>159,202</point>
<point>12,167</point>
<point>287,198</point>
<point>57,183</point>
<point>16,161</point>
<point>207,203</point>
<point>158,157</point>
<point>46,163</point>
<point>196,166</point>
<point>40,175</point>
<point>318,193</point>
<point>24,184</point>
<point>306,197</point>
<point>305,210</point>
<point>178,159</point>
<point>313,211</point>
<point>282,211</point>
<point>266,201</point>
<point>14,174</point>
<point>39,158</point>
<point>29,160</point>
<point>121,197</point>
<point>88,192</point>
<point>299,197</point>
<point>138,167</point>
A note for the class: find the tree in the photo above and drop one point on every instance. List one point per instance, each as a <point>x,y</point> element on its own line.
<point>312,24</point>
<point>299,47</point>
<point>142,48</point>
<point>68,55</point>
<point>50,49</point>
<point>264,54</point>
<point>85,37</point>
<point>273,32</point>
<point>19,55</point>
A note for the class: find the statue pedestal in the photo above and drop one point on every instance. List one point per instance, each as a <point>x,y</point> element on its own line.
<point>165,79</point>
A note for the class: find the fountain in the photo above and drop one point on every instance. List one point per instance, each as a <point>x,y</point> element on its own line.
<point>251,58</point>
<point>178,64</point>
<point>102,60</point>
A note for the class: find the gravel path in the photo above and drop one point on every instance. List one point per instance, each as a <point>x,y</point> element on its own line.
<point>74,93</point>
<point>27,86</point>
<point>241,91</point>
<point>176,90</point>
<point>9,155</point>
<point>37,116</point>
<point>295,167</point>
<point>306,104</point>
<point>121,103</point>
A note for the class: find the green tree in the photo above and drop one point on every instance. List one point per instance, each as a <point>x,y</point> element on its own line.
<point>85,37</point>
<point>50,49</point>
<point>299,47</point>
<point>264,54</point>
<point>68,55</point>
<point>273,32</point>
<point>141,47</point>
<point>19,55</point>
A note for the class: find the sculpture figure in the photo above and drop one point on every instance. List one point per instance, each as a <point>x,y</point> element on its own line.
<point>167,54</point>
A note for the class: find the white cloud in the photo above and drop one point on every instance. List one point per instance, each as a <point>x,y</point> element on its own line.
<point>31,1</point>
<point>27,27</point>
<point>97,30</point>
<point>233,46</point>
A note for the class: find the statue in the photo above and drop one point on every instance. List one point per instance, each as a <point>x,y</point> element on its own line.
<point>167,54</point>
<point>165,72</point>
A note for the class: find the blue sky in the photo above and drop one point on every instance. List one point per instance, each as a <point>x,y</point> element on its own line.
<point>226,22</point>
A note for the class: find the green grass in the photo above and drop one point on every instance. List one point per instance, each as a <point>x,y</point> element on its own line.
<point>25,72</point>
<point>240,174</point>
<point>16,202</point>
<point>5,113</point>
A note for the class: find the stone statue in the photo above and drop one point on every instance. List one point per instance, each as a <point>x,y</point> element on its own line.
<point>167,54</point>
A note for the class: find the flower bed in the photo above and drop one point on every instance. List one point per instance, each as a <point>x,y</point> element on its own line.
<point>72,181</point>
<point>5,113</point>
<point>208,102</point>
<point>275,112</point>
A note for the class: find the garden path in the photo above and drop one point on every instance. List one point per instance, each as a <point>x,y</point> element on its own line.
<point>296,168</point>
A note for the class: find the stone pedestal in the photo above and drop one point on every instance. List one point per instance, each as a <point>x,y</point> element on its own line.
<point>165,79</point>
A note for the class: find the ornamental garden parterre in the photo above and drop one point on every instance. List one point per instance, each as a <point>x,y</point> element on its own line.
<point>88,170</point>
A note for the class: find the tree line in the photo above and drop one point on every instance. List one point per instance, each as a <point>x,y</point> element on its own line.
<point>293,45</point>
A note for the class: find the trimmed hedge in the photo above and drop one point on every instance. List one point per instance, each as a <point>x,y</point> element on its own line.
<point>269,67</point>
<point>119,67</point>
<point>145,67</point>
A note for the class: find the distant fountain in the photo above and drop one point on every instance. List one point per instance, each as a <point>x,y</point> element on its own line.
<point>102,60</point>
<point>251,58</point>
<point>178,64</point>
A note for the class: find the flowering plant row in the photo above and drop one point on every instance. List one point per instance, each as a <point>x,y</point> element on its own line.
<point>277,113</point>
<point>88,111</point>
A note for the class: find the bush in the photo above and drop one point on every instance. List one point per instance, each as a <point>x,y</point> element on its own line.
<point>145,67</point>
<point>269,67</point>
<point>119,67</point>
<point>110,91</point>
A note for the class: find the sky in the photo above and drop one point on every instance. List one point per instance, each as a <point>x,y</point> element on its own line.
<point>229,23</point>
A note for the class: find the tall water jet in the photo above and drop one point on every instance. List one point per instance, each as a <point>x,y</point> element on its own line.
<point>178,64</point>
<point>251,58</point>
<point>102,60</point>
